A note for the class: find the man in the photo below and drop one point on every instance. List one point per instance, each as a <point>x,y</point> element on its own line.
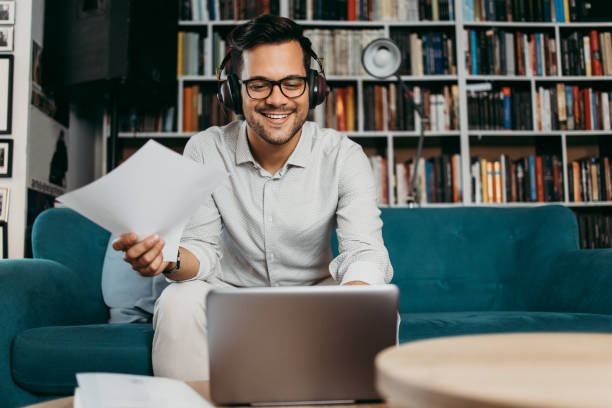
<point>271,222</point>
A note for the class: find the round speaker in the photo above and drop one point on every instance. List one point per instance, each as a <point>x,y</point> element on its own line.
<point>381,58</point>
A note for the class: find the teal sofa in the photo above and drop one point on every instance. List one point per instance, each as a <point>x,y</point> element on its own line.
<point>459,270</point>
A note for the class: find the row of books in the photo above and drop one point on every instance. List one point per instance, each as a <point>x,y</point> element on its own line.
<point>438,180</point>
<point>201,110</point>
<point>207,10</point>
<point>535,178</point>
<point>572,107</point>
<point>372,10</point>
<point>391,110</point>
<point>532,10</point>
<point>160,121</point>
<point>595,230</point>
<point>219,50</point>
<point>504,109</point>
<point>338,110</point>
<point>504,52</point>
<point>426,53</point>
<point>340,50</point>
<point>191,52</point>
<point>589,179</point>
<point>588,53</point>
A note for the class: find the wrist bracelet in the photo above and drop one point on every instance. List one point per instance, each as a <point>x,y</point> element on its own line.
<point>177,267</point>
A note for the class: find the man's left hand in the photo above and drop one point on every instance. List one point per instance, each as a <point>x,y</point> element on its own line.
<point>356,283</point>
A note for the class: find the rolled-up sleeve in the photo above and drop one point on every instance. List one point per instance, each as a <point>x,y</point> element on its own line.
<point>362,253</point>
<point>202,233</point>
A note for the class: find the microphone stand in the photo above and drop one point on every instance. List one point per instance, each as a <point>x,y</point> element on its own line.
<point>419,109</point>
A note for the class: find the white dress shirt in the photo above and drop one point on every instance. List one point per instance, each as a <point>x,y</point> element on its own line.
<point>261,229</point>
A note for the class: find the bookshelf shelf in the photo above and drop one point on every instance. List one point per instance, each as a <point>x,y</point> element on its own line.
<point>509,24</point>
<point>586,132</point>
<point>374,24</point>
<point>601,24</point>
<point>602,78</point>
<point>588,204</point>
<point>327,23</point>
<point>155,135</point>
<point>502,133</point>
<point>517,205</point>
<point>541,78</point>
<point>539,132</point>
<point>196,78</point>
<point>501,78</point>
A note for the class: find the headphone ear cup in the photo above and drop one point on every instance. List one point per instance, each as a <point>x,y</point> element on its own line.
<point>234,88</point>
<point>313,88</point>
<point>224,96</point>
<point>318,89</point>
<point>228,94</point>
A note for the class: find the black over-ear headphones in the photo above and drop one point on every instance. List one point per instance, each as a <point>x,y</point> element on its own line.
<point>229,94</point>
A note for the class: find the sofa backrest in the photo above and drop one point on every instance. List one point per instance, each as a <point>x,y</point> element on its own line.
<point>475,258</point>
<point>63,235</point>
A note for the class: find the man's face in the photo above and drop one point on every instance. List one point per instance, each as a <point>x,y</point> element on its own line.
<point>277,118</point>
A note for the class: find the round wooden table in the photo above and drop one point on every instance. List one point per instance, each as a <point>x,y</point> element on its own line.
<point>500,370</point>
<point>203,388</point>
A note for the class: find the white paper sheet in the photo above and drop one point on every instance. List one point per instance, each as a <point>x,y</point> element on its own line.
<point>155,191</point>
<point>105,390</point>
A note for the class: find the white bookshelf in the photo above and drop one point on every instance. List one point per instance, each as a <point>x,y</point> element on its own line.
<point>462,79</point>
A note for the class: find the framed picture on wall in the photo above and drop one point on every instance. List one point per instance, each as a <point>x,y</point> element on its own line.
<point>4,203</point>
<point>6,98</point>
<point>6,38</point>
<point>3,240</point>
<point>6,157</point>
<point>7,12</point>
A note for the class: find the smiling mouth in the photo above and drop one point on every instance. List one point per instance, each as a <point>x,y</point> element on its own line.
<point>275,115</point>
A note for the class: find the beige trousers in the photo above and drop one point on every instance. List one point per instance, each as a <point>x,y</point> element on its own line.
<point>180,344</point>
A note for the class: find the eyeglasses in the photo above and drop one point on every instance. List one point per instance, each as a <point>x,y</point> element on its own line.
<point>261,88</point>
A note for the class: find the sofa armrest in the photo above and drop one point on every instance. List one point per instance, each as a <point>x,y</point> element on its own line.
<point>35,293</point>
<point>581,282</point>
<point>64,236</point>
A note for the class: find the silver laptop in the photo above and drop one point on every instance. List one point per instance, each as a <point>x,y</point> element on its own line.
<point>298,344</point>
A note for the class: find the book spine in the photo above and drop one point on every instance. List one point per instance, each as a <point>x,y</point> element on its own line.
<point>587,56</point>
<point>497,174</point>
<point>506,91</point>
<point>595,53</point>
<point>539,180</point>
<point>533,190</point>
<point>577,182</point>
<point>490,182</point>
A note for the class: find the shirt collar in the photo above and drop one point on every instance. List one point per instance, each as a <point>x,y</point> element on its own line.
<point>243,152</point>
<point>299,156</point>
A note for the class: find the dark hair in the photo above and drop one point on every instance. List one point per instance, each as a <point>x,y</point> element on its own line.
<point>265,29</point>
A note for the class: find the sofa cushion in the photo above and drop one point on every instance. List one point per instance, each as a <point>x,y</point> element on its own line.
<point>46,359</point>
<point>417,326</point>
<point>475,258</point>
<point>129,296</point>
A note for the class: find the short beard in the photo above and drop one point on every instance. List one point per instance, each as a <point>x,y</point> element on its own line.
<point>262,133</point>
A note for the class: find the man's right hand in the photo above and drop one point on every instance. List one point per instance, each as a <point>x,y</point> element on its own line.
<point>144,256</point>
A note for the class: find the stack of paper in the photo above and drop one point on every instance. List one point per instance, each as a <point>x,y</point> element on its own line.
<point>105,390</point>
<point>153,192</point>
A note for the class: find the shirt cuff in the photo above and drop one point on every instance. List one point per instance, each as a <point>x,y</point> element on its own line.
<point>364,271</point>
